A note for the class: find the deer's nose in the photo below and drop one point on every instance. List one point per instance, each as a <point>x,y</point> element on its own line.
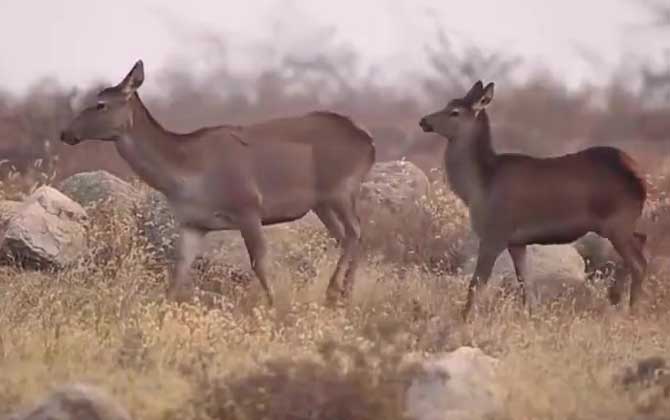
<point>425,125</point>
<point>68,137</point>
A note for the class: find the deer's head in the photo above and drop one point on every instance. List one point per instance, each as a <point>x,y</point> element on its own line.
<point>459,117</point>
<point>111,116</point>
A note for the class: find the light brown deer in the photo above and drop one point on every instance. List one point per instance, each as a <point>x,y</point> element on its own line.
<point>239,177</point>
<point>516,200</point>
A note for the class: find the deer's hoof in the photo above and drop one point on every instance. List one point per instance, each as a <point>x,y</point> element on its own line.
<point>614,295</point>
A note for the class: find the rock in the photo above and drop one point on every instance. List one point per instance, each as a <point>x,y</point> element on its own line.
<point>75,402</point>
<point>646,372</point>
<point>647,384</point>
<point>394,186</point>
<point>47,230</point>
<point>456,386</point>
<point>7,211</point>
<point>599,255</point>
<point>394,213</point>
<point>552,271</point>
<point>226,248</point>
<point>90,188</point>
<point>157,224</point>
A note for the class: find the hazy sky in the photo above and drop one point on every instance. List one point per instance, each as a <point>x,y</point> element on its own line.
<point>76,41</point>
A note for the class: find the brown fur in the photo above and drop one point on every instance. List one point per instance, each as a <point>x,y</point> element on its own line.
<point>516,200</point>
<point>240,177</point>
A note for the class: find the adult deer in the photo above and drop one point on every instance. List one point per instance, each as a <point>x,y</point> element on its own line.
<point>239,177</point>
<point>516,200</point>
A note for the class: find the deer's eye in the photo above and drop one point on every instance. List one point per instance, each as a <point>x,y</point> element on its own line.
<point>101,106</point>
<point>455,113</point>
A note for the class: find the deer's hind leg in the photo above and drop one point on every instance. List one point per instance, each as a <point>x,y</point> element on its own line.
<point>331,221</point>
<point>341,281</point>
<point>632,255</point>
<point>355,231</point>
<point>518,254</point>
<point>251,229</point>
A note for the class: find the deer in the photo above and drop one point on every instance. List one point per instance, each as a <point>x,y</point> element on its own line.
<point>231,177</point>
<point>516,200</point>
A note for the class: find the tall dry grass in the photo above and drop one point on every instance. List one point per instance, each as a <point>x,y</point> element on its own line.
<point>231,357</point>
<point>105,321</point>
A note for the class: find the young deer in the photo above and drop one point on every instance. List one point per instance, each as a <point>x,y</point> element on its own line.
<point>239,178</point>
<point>516,200</point>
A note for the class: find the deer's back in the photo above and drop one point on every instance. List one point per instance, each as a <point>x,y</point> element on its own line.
<point>566,194</point>
<point>324,147</point>
<point>285,166</point>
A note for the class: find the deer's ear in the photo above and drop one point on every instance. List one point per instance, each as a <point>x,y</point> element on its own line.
<point>474,93</point>
<point>484,99</point>
<point>133,79</point>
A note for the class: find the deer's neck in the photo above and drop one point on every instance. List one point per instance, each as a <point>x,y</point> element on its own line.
<point>470,162</point>
<point>150,150</point>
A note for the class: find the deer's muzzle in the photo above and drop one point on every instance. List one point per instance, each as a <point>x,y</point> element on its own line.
<point>68,137</point>
<point>425,125</point>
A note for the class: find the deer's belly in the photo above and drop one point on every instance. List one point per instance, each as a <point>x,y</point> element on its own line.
<point>550,233</point>
<point>274,209</point>
<point>288,204</point>
<point>205,217</point>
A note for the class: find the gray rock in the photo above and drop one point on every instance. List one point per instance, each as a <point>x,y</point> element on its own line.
<point>390,185</point>
<point>395,186</point>
<point>598,253</point>
<point>458,385</point>
<point>7,211</point>
<point>552,271</point>
<point>159,228</point>
<point>90,188</point>
<point>75,402</point>
<point>647,384</point>
<point>157,224</point>
<point>47,230</point>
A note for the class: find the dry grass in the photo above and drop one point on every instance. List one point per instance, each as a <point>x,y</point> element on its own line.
<point>105,322</point>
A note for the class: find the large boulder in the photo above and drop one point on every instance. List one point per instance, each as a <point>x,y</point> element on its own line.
<point>391,186</point>
<point>647,385</point>
<point>158,226</point>
<point>394,187</point>
<point>392,190</point>
<point>8,209</point>
<point>75,402</point>
<point>48,229</point>
<point>460,385</point>
<point>91,188</point>
<point>598,253</point>
<point>552,272</point>
<point>394,212</point>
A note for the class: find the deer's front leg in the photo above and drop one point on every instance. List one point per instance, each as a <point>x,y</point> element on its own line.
<point>488,253</point>
<point>189,245</point>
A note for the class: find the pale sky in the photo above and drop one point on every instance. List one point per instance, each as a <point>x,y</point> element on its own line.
<point>77,41</point>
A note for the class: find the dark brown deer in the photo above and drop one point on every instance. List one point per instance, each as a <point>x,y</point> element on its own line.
<point>239,178</point>
<point>517,200</point>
